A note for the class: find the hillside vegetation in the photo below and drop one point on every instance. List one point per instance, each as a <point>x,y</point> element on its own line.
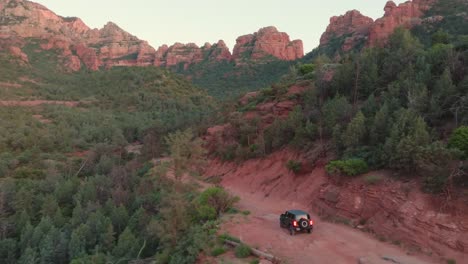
<point>71,191</point>
<point>226,80</point>
<point>401,107</point>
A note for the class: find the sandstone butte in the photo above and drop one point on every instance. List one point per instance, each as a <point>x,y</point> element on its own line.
<point>78,45</point>
<point>357,28</point>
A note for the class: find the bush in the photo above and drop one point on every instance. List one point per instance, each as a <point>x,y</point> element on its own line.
<point>306,68</point>
<point>226,236</point>
<point>459,140</point>
<point>218,251</point>
<point>350,167</point>
<point>373,179</point>
<point>294,166</point>
<point>435,184</point>
<point>216,198</point>
<point>242,251</point>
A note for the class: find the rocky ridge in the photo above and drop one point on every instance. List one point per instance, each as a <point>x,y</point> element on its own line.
<point>356,28</point>
<point>80,46</point>
<point>267,41</point>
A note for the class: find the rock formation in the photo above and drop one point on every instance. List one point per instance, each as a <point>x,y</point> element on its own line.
<point>355,28</point>
<point>266,42</point>
<point>80,46</point>
<point>187,54</point>
<point>405,15</point>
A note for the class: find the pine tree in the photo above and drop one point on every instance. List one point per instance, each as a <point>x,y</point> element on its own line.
<point>355,131</point>
<point>127,245</point>
<point>77,245</point>
<point>29,256</point>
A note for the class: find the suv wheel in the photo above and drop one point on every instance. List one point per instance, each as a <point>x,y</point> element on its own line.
<point>304,223</point>
<point>291,231</point>
<point>309,231</point>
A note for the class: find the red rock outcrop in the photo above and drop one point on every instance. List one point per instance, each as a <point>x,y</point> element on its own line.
<point>358,28</point>
<point>78,45</point>
<point>353,24</point>
<point>266,42</point>
<point>18,53</point>
<point>109,46</point>
<point>187,54</point>
<point>406,15</point>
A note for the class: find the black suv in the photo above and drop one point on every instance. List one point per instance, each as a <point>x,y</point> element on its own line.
<point>296,220</point>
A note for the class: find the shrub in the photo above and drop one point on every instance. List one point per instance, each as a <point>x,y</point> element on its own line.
<point>294,166</point>
<point>218,251</point>
<point>226,236</point>
<point>255,261</point>
<point>435,184</point>
<point>218,199</point>
<point>242,251</point>
<point>306,68</point>
<point>459,140</point>
<point>373,179</point>
<point>350,167</point>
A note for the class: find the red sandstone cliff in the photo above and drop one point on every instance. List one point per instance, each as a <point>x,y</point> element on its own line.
<point>266,42</point>
<point>353,25</point>
<point>404,15</point>
<point>80,46</point>
<point>187,54</point>
<point>358,28</point>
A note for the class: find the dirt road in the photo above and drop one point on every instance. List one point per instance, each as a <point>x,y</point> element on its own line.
<point>328,243</point>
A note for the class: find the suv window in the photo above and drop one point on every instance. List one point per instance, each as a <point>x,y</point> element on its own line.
<point>300,216</point>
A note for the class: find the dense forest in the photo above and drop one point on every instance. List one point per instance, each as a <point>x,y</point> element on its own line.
<point>71,191</point>
<point>227,80</point>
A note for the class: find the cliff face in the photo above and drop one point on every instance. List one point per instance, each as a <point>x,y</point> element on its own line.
<point>404,15</point>
<point>187,54</point>
<point>76,42</point>
<point>353,26</point>
<point>80,46</point>
<point>356,28</point>
<point>266,42</point>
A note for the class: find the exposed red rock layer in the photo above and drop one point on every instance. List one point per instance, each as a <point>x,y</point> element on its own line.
<point>404,15</point>
<point>358,28</point>
<point>393,210</point>
<point>353,24</point>
<point>80,46</point>
<point>266,42</point>
<point>187,54</point>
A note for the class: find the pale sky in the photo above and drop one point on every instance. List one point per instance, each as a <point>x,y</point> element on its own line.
<point>199,21</point>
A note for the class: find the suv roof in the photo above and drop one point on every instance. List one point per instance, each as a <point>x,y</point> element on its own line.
<point>297,212</point>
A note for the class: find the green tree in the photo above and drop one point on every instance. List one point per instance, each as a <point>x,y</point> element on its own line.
<point>186,151</point>
<point>8,249</point>
<point>355,131</point>
<point>408,136</point>
<point>218,199</point>
<point>77,246</point>
<point>127,246</point>
<point>335,111</point>
<point>459,140</point>
<point>29,256</point>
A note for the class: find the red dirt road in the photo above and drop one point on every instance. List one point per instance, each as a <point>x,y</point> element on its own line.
<point>328,243</point>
